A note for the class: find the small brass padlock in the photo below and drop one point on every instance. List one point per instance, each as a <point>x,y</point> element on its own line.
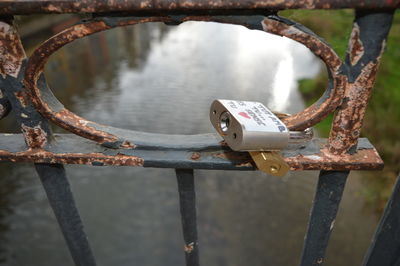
<point>270,162</point>
<point>252,127</point>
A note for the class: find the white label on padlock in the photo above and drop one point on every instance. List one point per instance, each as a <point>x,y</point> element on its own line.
<point>254,116</point>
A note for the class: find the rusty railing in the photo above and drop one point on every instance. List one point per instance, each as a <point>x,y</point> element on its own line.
<point>24,89</point>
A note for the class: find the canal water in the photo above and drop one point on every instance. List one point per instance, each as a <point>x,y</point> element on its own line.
<point>158,78</point>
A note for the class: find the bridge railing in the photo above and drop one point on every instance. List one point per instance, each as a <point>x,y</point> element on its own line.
<point>24,89</point>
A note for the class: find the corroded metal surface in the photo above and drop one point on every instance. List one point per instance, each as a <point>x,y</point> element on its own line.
<point>71,149</point>
<point>174,6</point>
<point>367,43</point>
<point>36,137</point>
<point>11,51</point>
<point>5,106</point>
<point>348,88</point>
<point>337,76</point>
<point>53,110</point>
<point>12,58</point>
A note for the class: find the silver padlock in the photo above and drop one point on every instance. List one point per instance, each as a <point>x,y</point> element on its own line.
<point>248,126</point>
<point>252,127</point>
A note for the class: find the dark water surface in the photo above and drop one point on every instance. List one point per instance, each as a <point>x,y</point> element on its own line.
<point>162,79</point>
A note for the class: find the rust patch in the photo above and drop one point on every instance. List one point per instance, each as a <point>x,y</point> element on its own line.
<point>127,145</point>
<point>195,156</point>
<point>35,137</point>
<point>42,156</point>
<point>23,98</point>
<point>366,159</point>
<point>356,47</point>
<point>189,248</point>
<point>5,106</point>
<point>347,123</point>
<point>79,126</point>
<point>11,51</point>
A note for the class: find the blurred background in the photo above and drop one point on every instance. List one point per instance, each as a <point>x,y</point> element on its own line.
<point>159,78</point>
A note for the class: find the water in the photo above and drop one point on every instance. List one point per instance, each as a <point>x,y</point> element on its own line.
<point>162,79</point>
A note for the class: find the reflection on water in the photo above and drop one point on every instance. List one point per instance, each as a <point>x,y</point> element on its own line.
<point>159,79</point>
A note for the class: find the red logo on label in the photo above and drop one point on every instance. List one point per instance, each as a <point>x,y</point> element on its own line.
<point>244,114</point>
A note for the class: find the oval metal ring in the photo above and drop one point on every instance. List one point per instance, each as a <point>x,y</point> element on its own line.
<point>48,105</point>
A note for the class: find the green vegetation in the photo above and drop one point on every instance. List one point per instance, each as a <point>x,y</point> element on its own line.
<point>382,122</point>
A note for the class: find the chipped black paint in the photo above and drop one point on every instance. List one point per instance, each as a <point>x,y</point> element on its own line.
<point>72,149</point>
<point>375,28</point>
<point>37,136</point>
<point>25,113</point>
<point>366,46</point>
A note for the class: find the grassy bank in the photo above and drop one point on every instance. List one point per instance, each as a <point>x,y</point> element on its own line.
<point>382,122</point>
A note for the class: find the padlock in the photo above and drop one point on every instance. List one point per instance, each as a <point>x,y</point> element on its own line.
<point>250,126</point>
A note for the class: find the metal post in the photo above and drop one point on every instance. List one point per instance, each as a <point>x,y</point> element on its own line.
<point>37,136</point>
<point>187,200</point>
<point>61,200</point>
<point>366,46</point>
<point>323,213</point>
<point>385,246</point>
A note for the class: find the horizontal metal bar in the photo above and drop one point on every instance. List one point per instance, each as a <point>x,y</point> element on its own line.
<point>206,151</point>
<point>174,6</point>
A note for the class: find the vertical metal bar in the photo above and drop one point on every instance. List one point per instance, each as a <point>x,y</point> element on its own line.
<point>366,46</point>
<point>38,135</point>
<point>323,213</point>
<point>187,200</point>
<point>61,200</point>
<point>385,247</point>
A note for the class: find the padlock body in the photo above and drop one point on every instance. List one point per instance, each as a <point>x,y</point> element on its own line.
<point>248,126</point>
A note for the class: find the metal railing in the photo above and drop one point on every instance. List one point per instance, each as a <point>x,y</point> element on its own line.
<point>24,90</point>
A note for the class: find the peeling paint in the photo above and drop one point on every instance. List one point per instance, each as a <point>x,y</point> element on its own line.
<point>195,156</point>
<point>348,121</point>
<point>356,47</point>
<point>11,51</point>
<point>189,248</point>
<point>35,137</point>
<point>43,156</point>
